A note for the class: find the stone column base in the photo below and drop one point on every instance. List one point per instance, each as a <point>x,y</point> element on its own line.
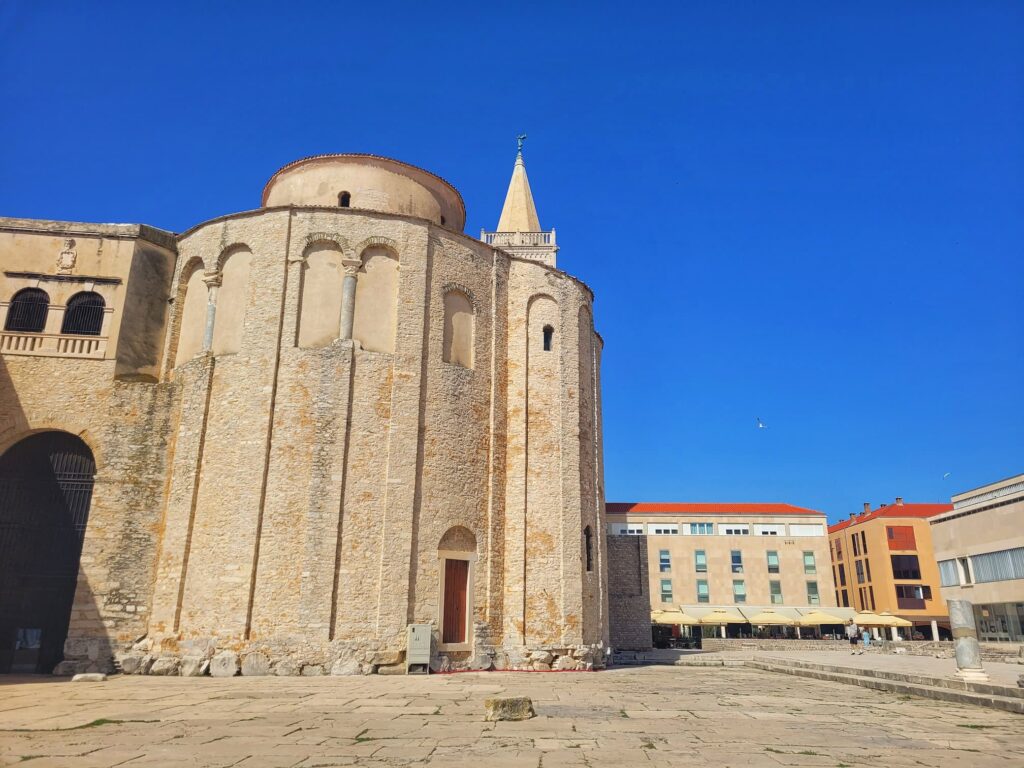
<point>972,675</point>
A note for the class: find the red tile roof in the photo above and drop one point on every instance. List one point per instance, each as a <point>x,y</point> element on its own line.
<point>700,508</point>
<point>893,510</point>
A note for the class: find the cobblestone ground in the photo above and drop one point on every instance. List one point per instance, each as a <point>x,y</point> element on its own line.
<point>723,717</point>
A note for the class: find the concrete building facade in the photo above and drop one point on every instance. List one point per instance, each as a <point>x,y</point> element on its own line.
<point>754,555</point>
<point>883,561</point>
<point>979,544</point>
<point>280,438</point>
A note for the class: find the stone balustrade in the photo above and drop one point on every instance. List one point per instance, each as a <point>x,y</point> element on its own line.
<point>52,345</point>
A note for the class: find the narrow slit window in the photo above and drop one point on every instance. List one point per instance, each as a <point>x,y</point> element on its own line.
<point>344,200</point>
<point>588,544</point>
<point>549,338</point>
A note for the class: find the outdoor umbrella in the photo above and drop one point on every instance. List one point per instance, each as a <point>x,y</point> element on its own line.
<point>869,619</point>
<point>769,617</point>
<point>722,616</point>
<point>895,621</point>
<point>817,618</point>
<point>673,617</point>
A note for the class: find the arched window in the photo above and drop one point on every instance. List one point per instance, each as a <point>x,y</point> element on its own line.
<point>344,200</point>
<point>458,329</point>
<point>27,312</point>
<point>549,338</point>
<point>84,314</point>
<point>376,313</point>
<point>588,548</point>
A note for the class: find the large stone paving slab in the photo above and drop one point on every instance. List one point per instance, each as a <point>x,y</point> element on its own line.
<point>727,716</point>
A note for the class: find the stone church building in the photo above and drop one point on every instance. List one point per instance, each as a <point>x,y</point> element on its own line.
<point>274,442</point>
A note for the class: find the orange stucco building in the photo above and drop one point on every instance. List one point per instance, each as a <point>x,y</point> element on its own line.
<point>883,560</point>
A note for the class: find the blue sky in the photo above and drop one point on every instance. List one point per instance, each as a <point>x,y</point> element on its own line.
<point>810,213</point>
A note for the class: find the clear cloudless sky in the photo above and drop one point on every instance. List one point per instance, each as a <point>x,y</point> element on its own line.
<point>807,212</point>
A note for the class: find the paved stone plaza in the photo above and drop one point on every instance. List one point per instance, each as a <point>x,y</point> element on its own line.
<point>728,716</point>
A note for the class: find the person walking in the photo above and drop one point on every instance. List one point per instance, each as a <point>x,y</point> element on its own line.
<point>866,636</point>
<point>852,633</point>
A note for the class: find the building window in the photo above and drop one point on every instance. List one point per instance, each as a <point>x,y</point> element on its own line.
<point>666,590</point>
<point>775,588</point>
<point>737,530</point>
<point>905,567</point>
<point>867,568</point>
<point>871,594</point>
<point>702,529</point>
<point>845,602</point>
<point>839,549</point>
<point>773,562</point>
<point>634,529</point>
<point>588,548</point>
<point>948,576</point>
<point>549,338</point>
<point>701,561</point>
<point>27,311</point>
<point>863,543</point>
<point>809,565</point>
<point>739,591</point>
<point>703,595</point>
<point>912,596</point>
<point>842,575</point>
<point>664,561</point>
<point>900,536</point>
<point>344,200</point>
<point>83,315</point>
<point>770,530</point>
<point>859,564</point>
<point>965,570</point>
<point>856,545</point>
<point>663,529</point>
<point>812,593</point>
<point>737,561</point>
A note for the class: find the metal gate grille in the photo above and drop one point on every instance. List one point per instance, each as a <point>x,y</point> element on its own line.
<point>46,484</point>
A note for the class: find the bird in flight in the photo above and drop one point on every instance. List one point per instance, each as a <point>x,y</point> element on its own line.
<point>945,475</point>
<point>760,424</point>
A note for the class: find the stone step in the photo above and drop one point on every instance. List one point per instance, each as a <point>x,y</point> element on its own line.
<point>1006,703</point>
<point>987,689</point>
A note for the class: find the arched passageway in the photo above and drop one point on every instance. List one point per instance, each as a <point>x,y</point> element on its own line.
<point>46,484</point>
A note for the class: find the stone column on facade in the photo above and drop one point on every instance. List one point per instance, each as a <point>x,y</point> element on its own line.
<point>723,631</point>
<point>965,637</point>
<point>894,633</point>
<point>212,281</point>
<point>348,297</point>
<point>935,630</point>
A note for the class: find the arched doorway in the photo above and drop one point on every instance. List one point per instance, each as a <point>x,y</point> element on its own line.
<point>46,484</point>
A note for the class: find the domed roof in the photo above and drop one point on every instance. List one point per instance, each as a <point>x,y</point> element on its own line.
<point>367,182</point>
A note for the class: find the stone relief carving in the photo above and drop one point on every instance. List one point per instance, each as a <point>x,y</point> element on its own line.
<point>67,257</point>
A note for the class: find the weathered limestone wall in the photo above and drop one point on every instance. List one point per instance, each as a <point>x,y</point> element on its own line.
<point>315,484</point>
<point>629,603</point>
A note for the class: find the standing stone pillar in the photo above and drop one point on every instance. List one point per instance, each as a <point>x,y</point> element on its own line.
<point>723,631</point>
<point>212,281</point>
<point>894,633</point>
<point>348,297</point>
<point>935,630</point>
<point>965,636</point>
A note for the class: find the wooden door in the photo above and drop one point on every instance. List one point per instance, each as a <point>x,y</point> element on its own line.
<point>456,582</point>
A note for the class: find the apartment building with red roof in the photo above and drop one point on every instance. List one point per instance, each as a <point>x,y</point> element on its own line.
<point>883,560</point>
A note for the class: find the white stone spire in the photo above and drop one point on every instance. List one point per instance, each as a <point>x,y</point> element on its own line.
<point>519,214</point>
<point>519,230</point>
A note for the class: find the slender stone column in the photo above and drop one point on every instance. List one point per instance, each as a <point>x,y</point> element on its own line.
<point>894,633</point>
<point>965,635</point>
<point>935,630</point>
<point>212,284</point>
<point>348,297</point>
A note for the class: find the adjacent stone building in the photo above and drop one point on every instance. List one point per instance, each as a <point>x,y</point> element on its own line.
<point>285,435</point>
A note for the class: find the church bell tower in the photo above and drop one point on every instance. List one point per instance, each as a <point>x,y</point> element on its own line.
<point>519,231</point>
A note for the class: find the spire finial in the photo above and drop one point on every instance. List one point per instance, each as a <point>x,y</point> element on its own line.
<point>520,139</point>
